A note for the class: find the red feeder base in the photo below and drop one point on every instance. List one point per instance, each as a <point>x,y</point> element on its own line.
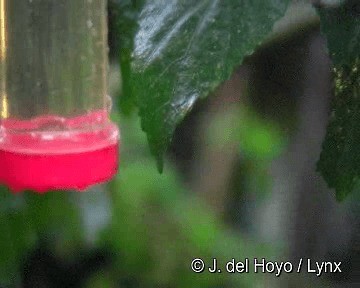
<point>42,161</point>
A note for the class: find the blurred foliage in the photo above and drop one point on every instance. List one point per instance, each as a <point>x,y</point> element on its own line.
<point>340,159</point>
<point>181,52</point>
<point>256,137</point>
<point>158,228</point>
<point>16,237</point>
<point>29,219</point>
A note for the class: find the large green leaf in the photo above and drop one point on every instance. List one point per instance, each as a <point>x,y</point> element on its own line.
<point>340,159</point>
<point>183,50</point>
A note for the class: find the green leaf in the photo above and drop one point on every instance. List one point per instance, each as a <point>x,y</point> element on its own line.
<point>183,50</point>
<point>340,159</point>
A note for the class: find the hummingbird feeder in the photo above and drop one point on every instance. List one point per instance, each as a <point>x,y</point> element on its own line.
<point>55,131</point>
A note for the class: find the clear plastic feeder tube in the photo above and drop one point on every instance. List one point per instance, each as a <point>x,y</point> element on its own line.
<point>55,131</point>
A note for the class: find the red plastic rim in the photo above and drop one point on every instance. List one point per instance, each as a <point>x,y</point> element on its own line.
<point>69,159</point>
